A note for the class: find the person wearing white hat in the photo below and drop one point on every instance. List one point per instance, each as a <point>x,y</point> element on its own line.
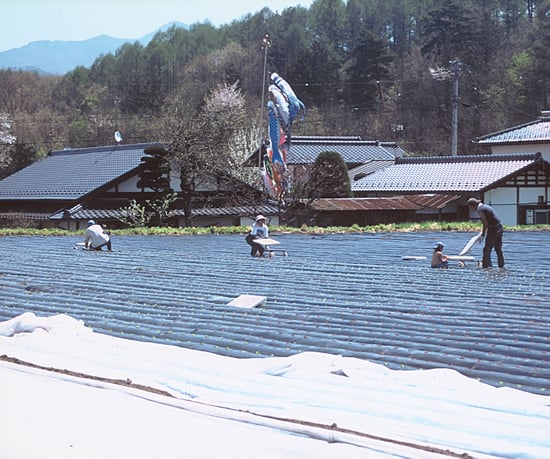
<point>439,259</point>
<point>259,230</point>
<point>96,237</point>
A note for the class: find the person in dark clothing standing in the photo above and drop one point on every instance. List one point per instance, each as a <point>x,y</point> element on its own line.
<point>492,231</point>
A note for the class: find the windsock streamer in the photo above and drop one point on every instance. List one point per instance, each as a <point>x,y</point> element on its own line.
<point>274,133</point>
<point>267,178</point>
<point>282,105</point>
<point>281,111</point>
<point>295,104</point>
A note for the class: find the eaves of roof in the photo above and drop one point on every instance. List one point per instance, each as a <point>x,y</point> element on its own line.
<point>265,209</point>
<point>24,215</point>
<point>80,213</point>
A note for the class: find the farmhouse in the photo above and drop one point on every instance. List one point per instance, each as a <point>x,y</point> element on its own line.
<point>70,186</point>
<point>517,186</point>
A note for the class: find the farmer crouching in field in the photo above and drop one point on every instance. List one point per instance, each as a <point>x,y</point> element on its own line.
<point>96,237</point>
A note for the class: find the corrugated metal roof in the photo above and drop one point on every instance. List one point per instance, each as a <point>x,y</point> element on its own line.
<point>364,204</point>
<point>434,175</point>
<point>537,131</point>
<point>408,202</point>
<point>434,201</point>
<point>71,174</point>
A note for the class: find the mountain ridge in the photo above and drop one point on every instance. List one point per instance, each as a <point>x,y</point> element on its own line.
<point>57,57</point>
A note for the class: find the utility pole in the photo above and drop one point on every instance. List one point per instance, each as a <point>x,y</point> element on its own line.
<point>454,135</point>
<point>445,74</point>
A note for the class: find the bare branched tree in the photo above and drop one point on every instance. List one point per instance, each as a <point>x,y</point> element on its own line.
<point>208,144</point>
<point>7,141</point>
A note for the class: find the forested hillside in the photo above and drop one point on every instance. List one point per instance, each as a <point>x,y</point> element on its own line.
<point>381,69</point>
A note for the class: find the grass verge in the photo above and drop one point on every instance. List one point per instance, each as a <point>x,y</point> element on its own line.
<point>304,229</point>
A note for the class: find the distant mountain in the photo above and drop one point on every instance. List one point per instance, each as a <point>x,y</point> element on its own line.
<point>59,57</point>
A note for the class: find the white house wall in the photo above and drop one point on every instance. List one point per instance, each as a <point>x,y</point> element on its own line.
<point>175,181</point>
<point>531,195</point>
<point>128,186</point>
<point>206,184</point>
<point>504,201</point>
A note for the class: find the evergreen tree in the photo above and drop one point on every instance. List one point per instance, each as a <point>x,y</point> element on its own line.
<point>329,177</point>
<point>155,172</point>
<point>369,65</point>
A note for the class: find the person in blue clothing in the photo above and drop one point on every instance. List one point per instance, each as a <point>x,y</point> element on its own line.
<point>259,230</point>
<point>492,232</point>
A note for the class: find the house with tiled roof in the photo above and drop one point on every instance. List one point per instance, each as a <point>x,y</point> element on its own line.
<point>517,186</point>
<point>532,137</point>
<point>389,187</point>
<point>71,186</point>
<point>355,151</point>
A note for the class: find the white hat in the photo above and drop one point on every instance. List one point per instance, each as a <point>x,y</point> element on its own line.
<point>260,217</point>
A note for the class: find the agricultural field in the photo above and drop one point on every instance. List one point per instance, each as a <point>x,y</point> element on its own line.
<point>346,294</point>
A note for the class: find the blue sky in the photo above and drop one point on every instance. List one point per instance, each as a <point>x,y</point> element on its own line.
<point>24,21</point>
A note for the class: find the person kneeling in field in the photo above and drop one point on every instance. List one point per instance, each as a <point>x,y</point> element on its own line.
<point>96,238</point>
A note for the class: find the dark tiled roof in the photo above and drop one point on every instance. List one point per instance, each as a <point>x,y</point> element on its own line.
<point>71,174</point>
<point>354,150</point>
<point>443,174</point>
<point>537,131</point>
<point>24,215</point>
<point>266,209</point>
<point>304,150</point>
<point>80,213</point>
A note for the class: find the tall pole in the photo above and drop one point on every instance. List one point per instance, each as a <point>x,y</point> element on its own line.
<point>454,135</point>
<point>266,44</point>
